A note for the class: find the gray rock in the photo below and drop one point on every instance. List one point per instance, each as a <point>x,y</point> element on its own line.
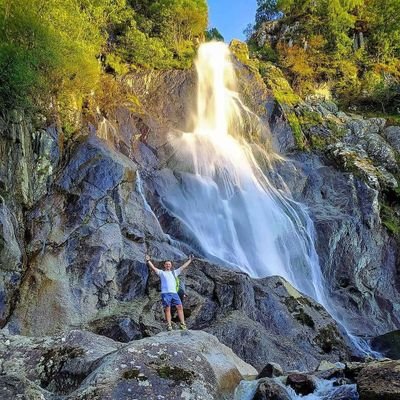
<point>82,365</point>
<point>271,370</point>
<point>302,384</point>
<point>11,262</point>
<point>392,135</point>
<point>345,392</point>
<point>282,134</point>
<point>87,237</point>
<point>267,389</point>
<point>357,256</point>
<point>326,366</point>
<point>388,344</point>
<point>379,380</point>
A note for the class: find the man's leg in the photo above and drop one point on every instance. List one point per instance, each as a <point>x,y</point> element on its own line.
<point>181,316</point>
<point>167,311</point>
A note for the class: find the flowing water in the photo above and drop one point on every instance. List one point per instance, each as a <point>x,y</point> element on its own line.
<point>226,202</point>
<point>325,390</point>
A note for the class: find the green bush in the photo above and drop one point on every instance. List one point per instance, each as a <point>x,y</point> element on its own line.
<point>352,46</point>
<point>53,51</point>
<point>47,48</point>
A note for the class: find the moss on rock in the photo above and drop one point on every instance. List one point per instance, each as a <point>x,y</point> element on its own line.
<point>175,373</point>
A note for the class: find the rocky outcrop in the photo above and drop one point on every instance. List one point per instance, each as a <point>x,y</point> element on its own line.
<point>358,257</point>
<point>342,182</point>
<point>379,380</point>
<point>11,262</point>
<point>388,344</point>
<point>392,136</point>
<point>87,241</point>
<point>81,365</point>
<point>28,161</point>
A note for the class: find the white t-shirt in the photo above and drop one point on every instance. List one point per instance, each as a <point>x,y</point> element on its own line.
<point>168,282</point>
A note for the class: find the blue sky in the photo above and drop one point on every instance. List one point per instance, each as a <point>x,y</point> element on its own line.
<point>231,17</point>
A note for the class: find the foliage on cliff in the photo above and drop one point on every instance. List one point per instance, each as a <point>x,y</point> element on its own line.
<point>349,48</point>
<point>57,50</point>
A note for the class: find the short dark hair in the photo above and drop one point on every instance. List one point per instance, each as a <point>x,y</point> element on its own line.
<point>168,261</point>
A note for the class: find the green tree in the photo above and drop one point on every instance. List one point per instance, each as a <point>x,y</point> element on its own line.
<point>53,43</point>
<point>214,34</point>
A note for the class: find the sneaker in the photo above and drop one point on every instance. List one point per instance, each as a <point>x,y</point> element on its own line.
<point>183,327</point>
<point>169,328</point>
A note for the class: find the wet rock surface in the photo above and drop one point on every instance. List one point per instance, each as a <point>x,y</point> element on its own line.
<point>270,390</point>
<point>302,384</point>
<point>346,213</point>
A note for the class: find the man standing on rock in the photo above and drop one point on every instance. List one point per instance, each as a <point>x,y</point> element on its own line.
<point>169,294</point>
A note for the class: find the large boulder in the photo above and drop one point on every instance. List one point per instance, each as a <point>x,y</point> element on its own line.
<point>267,389</point>
<point>388,344</point>
<point>82,365</point>
<point>379,380</point>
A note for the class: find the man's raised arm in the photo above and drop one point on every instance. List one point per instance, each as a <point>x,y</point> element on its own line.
<point>150,264</point>
<point>187,263</point>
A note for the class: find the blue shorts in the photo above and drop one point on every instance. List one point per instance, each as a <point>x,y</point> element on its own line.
<point>170,299</point>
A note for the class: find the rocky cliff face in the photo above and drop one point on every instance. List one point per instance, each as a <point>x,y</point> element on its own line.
<point>344,181</point>
<point>29,157</point>
<point>75,225</point>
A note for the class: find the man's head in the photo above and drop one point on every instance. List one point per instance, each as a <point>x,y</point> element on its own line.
<point>167,265</point>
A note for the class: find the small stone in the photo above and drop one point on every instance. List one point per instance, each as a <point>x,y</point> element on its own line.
<point>268,389</point>
<point>301,383</point>
<point>271,370</point>
<point>342,381</point>
<point>326,366</point>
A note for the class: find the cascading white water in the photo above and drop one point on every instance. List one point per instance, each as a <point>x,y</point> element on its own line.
<point>224,199</point>
<point>324,390</point>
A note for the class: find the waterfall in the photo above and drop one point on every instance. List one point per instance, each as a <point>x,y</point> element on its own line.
<point>226,201</point>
